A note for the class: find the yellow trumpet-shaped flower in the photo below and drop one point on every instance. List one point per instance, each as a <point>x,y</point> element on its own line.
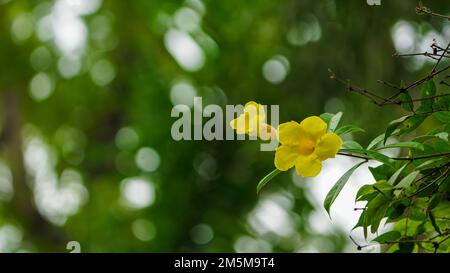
<point>252,122</point>
<point>305,145</point>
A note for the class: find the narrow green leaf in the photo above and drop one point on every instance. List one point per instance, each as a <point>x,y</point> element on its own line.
<point>266,180</point>
<point>407,103</point>
<point>376,209</point>
<point>334,192</point>
<point>364,191</point>
<point>326,117</point>
<point>351,144</point>
<point>405,182</point>
<point>429,164</point>
<point>348,129</point>
<point>375,141</point>
<point>379,214</point>
<point>428,90</point>
<point>433,221</point>
<point>394,125</point>
<point>406,144</point>
<point>334,122</point>
<point>380,157</point>
<point>443,116</point>
<point>388,237</point>
<point>394,177</point>
<point>434,202</point>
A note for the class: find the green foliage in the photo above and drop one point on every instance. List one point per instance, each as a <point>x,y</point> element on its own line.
<point>334,192</point>
<point>413,188</point>
<point>266,180</point>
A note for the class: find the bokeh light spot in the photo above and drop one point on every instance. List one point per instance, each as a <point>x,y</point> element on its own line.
<point>276,69</point>
<point>137,192</point>
<point>102,72</point>
<point>41,86</point>
<point>182,92</point>
<point>201,234</point>
<point>147,159</point>
<point>143,229</point>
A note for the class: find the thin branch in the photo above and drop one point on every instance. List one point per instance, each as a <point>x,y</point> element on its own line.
<point>396,158</point>
<point>440,58</point>
<point>425,10</point>
<point>421,99</point>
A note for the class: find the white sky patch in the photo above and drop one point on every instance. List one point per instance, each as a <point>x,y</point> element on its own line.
<point>271,215</point>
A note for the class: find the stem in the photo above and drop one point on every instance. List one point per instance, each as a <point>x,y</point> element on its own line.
<point>396,158</point>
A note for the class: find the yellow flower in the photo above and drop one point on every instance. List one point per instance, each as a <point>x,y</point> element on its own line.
<point>305,145</point>
<point>252,122</point>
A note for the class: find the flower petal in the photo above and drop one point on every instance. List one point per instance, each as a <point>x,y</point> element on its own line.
<point>241,124</point>
<point>328,145</point>
<point>308,166</point>
<point>285,157</point>
<point>267,132</point>
<point>290,133</point>
<point>255,110</point>
<point>314,126</point>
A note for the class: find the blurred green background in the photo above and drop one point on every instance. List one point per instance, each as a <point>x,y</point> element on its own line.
<point>86,92</point>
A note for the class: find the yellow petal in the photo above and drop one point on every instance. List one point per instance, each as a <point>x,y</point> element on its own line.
<point>308,166</point>
<point>255,110</point>
<point>290,133</point>
<point>314,126</point>
<point>285,157</point>
<point>328,145</point>
<point>241,124</point>
<point>267,132</point>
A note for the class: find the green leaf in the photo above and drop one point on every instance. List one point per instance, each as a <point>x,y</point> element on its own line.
<point>351,144</point>
<point>406,144</point>
<point>428,90</point>
<point>266,180</point>
<point>429,164</point>
<point>433,221</point>
<point>364,191</point>
<point>388,237</point>
<point>375,141</point>
<point>407,103</point>
<point>394,177</point>
<point>394,125</point>
<point>334,122</point>
<point>434,202</point>
<point>334,192</point>
<point>411,124</point>
<point>326,117</point>
<point>376,210</point>
<point>405,182</point>
<point>380,157</point>
<point>443,116</point>
<point>348,129</point>
<point>379,214</point>
<point>381,172</point>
